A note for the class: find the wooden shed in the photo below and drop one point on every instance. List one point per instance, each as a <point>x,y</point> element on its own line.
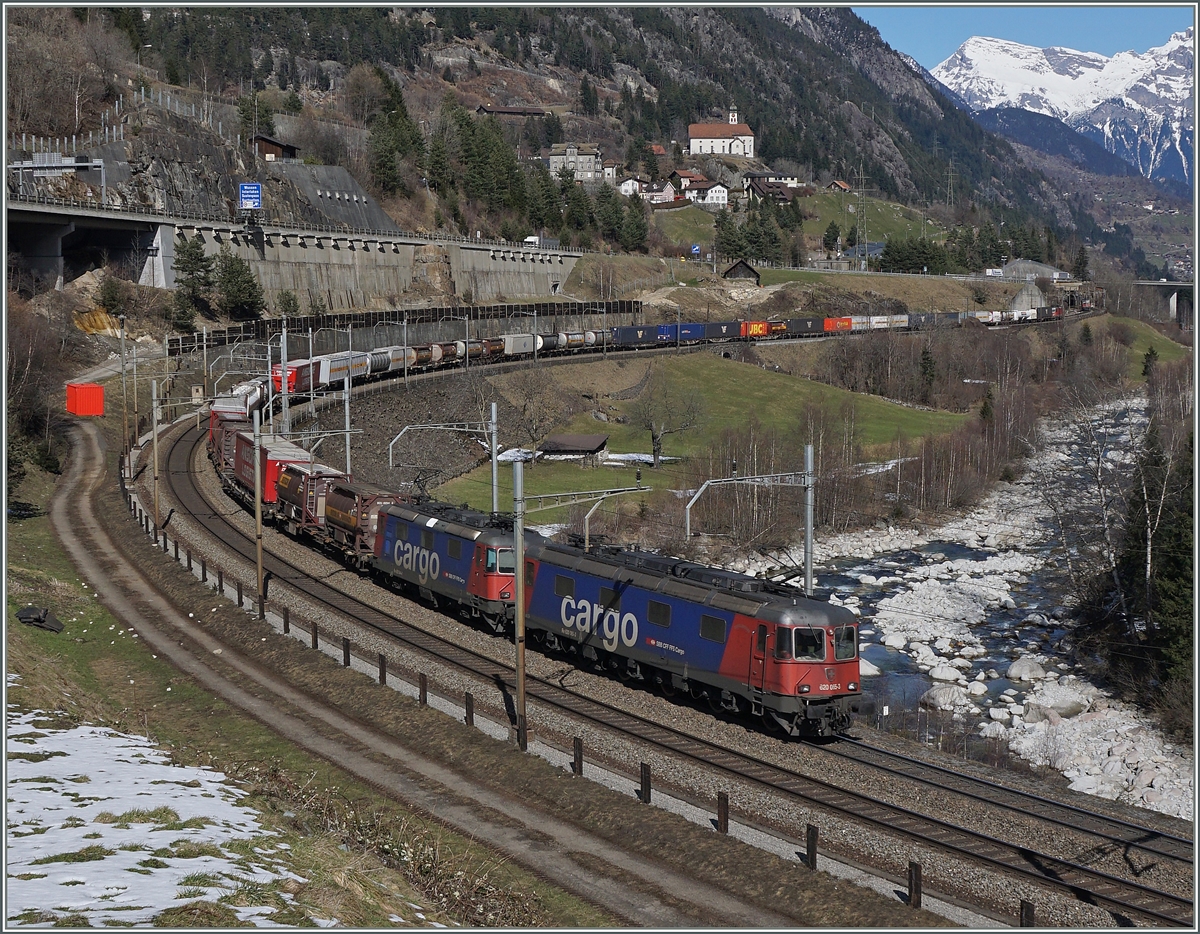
<point>271,149</point>
<point>589,449</point>
<point>742,270</point>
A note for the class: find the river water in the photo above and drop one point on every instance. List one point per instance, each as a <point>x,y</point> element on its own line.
<point>947,611</point>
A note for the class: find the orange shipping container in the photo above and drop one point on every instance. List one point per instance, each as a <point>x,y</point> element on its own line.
<point>85,399</point>
<point>755,329</point>
<point>838,324</point>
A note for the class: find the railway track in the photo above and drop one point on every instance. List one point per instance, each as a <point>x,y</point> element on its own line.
<point>1127,900</point>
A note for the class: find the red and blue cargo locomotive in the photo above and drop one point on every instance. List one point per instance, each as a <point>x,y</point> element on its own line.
<point>739,643</point>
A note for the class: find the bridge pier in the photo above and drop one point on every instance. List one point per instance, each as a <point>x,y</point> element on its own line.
<point>158,271</point>
<point>44,252</point>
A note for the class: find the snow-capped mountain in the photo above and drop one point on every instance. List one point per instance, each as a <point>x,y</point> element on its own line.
<point>1138,106</point>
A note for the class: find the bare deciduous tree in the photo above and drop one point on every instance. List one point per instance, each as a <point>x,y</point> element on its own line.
<point>663,410</point>
<point>364,92</point>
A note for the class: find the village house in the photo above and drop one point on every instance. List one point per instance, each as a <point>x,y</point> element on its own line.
<point>839,186</point>
<point>732,139</point>
<point>762,190</point>
<point>660,193</point>
<point>631,184</point>
<point>790,181</point>
<point>582,159</point>
<point>708,194</point>
<point>682,178</point>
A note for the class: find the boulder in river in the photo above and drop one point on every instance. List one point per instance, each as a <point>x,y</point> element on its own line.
<point>944,697</point>
<point>1025,669</point>
<point>945,673</point>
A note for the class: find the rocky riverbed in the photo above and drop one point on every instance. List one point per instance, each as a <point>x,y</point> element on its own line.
<point>969,618</point>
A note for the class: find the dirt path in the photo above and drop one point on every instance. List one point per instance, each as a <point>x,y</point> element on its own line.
<point>640,892</point>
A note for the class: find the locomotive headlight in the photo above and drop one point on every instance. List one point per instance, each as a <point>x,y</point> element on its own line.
<point>852,686</point>
<point>505,594</point>
<point>803,688</point>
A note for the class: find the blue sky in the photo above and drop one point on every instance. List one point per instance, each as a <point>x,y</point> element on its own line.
<point>933,33</point>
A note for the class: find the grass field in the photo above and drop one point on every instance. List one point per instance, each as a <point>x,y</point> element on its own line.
<point>731,393</point>
<point>687,226</point>
<point>884,219</point>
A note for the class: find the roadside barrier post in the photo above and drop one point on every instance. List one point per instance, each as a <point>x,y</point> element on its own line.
<point>577,762</point>
<point>422,690</point>
<point>239,593</point>
<point>189,559</point>
<point>645,794</point>
<point>345,651</point>
<point>176,549</point>
<point>262,607</point>
<point>810,851</point>
<point>314,635</point>
<point>722,812</point>
<point>382,668</point>
<point>287,621</point>
<point>914,885</point>
<point>469,703</point>
<point>1027,918</point>
<point>221,581</point>
<point>203,571</point>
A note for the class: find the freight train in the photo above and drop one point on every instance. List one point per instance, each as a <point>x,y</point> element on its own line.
<point>740,644</point>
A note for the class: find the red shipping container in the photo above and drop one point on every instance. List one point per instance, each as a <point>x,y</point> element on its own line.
<point>85,399</point>
<point>276,454</point>
<point>755,329</point>
<point>838,324</point>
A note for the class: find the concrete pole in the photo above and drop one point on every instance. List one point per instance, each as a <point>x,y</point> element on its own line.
<point>283,366</point>
<point>136,421</point>
<point>154,405</point>
<point>258,495</point>
<point>495,481</point>
<point>124,397</point>
<point>808,519</point>
<point>519,591</point>
<point>347,421</point>
<point>406,351</point>
<point>204,331</point>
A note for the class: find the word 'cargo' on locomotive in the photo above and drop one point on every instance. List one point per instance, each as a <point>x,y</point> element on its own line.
<point>451,554</point>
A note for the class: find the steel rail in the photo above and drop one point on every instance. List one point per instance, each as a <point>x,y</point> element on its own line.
<point>1085,884</point>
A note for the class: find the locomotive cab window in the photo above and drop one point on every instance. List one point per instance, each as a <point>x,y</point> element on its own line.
<point>712,628</point>
<point>659,613</point>
<point>810,644</point>
<point>564,586</point>
<point>783,642</point>
<point>761,646</point>
<point>506,564</point>
<point>845,645</point>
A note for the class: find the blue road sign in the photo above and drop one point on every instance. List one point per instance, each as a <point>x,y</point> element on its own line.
<point>250,196</point>
<point>695,249</point>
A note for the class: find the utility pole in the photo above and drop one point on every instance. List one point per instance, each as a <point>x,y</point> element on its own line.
<point>808,519</point>
<point>258,524</point>
<point>519,591</point>
<point>495,465</point>
<point>154,404</point>
<point>124,402</point>
<point>283,385</point>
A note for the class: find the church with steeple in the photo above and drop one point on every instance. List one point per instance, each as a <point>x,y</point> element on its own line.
<point>731,139</point>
